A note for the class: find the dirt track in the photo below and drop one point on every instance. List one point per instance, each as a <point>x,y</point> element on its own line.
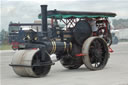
<point>115,73</point>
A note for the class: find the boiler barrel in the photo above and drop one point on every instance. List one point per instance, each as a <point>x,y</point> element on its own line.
<point>58,47</point>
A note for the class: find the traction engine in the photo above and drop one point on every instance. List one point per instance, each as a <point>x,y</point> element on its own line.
<point>74,44</point>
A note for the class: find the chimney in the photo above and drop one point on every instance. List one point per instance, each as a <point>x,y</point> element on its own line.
<point>44,20</point>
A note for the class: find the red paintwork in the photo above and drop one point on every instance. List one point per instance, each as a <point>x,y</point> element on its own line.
<point>15,45</point>
<point>110,50</point>
<point>34,48</point>
<point>80,54</point>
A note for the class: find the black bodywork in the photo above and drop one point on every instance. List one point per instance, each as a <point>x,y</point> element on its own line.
<point>84,38</point>
<point>66,44</point>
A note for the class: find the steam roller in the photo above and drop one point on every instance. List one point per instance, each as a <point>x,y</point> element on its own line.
<point>75,46</point>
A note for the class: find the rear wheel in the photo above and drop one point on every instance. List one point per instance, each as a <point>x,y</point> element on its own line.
<point>28,63</point>
<point>96,53</point>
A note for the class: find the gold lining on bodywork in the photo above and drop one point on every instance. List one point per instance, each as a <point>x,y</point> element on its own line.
<point>67,36</point>
<point>70,46</point>
<point>53,46</point>
<point>64,46</point>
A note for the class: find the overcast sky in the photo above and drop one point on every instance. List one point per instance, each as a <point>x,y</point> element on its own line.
<point>26,11</point>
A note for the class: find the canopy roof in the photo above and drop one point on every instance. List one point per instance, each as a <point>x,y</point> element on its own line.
<point>76,14</point>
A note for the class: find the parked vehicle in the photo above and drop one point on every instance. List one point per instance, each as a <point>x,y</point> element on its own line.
<point>18,31</point>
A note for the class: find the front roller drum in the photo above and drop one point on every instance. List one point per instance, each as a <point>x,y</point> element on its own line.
<point>96,53</point>
<point>27,63</point>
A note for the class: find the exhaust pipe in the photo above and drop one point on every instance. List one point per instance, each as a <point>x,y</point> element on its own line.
<point>44,20</point>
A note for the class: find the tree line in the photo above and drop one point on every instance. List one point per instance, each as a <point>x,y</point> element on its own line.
<point>3,37</point>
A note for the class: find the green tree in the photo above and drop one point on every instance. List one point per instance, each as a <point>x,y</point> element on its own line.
<point>4,36</point>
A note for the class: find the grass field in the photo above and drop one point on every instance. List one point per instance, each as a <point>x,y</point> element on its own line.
<point>5,47</point>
